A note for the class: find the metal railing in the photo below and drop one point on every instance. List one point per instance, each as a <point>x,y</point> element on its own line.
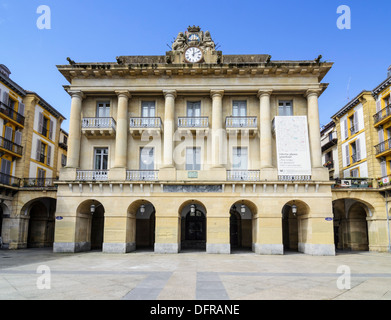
<point>384,113</point>
<point>329,164</point>
<point>145,122</point>
<point>9,180</point>
<point>353,130</point>
<point>384,181</point>
<point>353,183</point>
<point>38,182</point>
<point>383,146</point>
<point>193,122</point>
<point>294,178</point>
<point>241,122</point>
<point>92,175</point>
<point>102,123</point>
<point>243,175</point>
<point>142,175</point>
<point>11,113</point>
<point>11,146</point>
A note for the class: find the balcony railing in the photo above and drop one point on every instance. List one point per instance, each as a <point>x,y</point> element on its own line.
<point>243,175</point>
<point>92,175</point>
<point>38,182</point>
<point>383,146</point>
<point>353,130</point>
<point>353,183</point>
<point>145,122</point>
<point>9,180</point>
<point>101,123</point>
<point>329,164</point>
<point>11,113</point>
<point>142,175</point>
<point>193,122</point>
<point>382,114</point>
<point>384,181</point>
<point>241,122</point>
<point>11,146</point>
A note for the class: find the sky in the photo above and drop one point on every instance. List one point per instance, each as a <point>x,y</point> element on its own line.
<point>99,31</point>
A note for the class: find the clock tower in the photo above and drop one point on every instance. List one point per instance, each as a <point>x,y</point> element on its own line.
<point>194,46</point>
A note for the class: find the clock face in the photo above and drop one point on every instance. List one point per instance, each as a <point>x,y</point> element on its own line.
<point>193,55</point>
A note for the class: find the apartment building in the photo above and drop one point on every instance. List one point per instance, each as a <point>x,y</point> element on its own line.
<point>30,130</point>
<point>329,144</point>
<point>195,149</point>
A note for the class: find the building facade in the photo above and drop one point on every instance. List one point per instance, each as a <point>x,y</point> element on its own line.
<point>195,149</point>
<point>30,129</point>
<point>329,144</point>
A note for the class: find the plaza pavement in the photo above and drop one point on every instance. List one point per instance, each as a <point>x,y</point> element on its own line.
<point>144,275</point>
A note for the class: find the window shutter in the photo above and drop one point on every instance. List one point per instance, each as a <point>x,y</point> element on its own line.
<point>51,130</point>
<point>6,98</point>
<point>347,155</point>
<point>21,108</point>
<point>38,150</point>
<point>49,155</point>
<point>378,105</point>
<point>40,122</point>
<point>381,135</point>
<point>8,133</point>
<point>383,167</point>
<point>358,150</point>
<point>355,122</point>
<point>18,138</point>
<point>345,128</point>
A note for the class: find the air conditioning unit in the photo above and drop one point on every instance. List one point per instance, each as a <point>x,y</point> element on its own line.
<point>346,183</point>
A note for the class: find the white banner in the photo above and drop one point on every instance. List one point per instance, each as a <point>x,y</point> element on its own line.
<point>293,151</point>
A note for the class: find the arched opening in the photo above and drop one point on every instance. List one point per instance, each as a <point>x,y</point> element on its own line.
<point>90,226</point>
<point>294,227</point>
<point>350,225</point>
<point>241,225</point>
<point>193,226</point>
<point>40,230</point>
<point>145,226</point>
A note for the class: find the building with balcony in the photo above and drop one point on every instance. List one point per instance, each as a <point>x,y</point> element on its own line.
<point>329,144</point>
<point>360,196</point>
<point>195,149</point>
<point>30,130</point>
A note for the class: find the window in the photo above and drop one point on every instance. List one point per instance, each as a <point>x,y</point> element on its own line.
<point>101,156</point>
<point>285,108</point>
<point>41,175</point>
<point>103,110</point>
<point>146,159</point>
<point>353,152</point>
<point>239,158</point>
<point>45,126</point>
<point>194,112</point>
<point>6,170</point>
<point>193,158</point>
<point>353,121</point>
<point>354,173</point>
<point>148,111</point>
<point>63,160</point>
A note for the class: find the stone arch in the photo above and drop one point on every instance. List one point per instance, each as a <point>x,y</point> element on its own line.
<point>38,221</point>
<point>193,224</point>
<point>142,218</point>
<point>242,225</point>
<point>294,225</point>
<point>90,224</point>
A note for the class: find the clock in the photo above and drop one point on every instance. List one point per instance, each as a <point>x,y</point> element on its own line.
<point>193,55</point>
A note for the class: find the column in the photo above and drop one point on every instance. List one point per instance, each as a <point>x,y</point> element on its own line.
<point>73,157</point>
<point>265,129</point>
<point>169,125</point>
<point>314,127</point>
<point>121,140</point>
<point>217,126</point>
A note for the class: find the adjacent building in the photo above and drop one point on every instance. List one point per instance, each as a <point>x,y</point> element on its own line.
<point>30,131</point>
<point>195,149</point>
<point>329,144</point>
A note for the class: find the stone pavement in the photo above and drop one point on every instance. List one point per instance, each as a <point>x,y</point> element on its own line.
<point>144,275</point>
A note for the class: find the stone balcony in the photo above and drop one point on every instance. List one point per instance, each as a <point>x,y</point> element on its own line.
<point>98,127</point>
<point>152,126</point>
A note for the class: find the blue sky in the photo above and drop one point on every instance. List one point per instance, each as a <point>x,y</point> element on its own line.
<point>98,31</point>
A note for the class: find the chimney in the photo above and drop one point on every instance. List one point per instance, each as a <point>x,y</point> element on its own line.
<point>4,70</point>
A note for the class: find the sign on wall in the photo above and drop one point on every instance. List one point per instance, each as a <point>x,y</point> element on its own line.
<point>293,151</point>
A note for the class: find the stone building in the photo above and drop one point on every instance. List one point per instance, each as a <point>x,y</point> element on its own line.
<point>195,149</point>
<point>30,129</point>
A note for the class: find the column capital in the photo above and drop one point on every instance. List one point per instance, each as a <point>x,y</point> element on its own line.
<point>125,93</point>
<point>311,92</point>
<point>170,93</point>
<point>216,93</point>
<point>264,92</point>
<point>76,93</point>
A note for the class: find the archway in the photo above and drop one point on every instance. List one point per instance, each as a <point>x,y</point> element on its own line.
<point>90,229</point>
<point>40,229</point>
<point>294,226</point>
<point>145,225</point>
<point>193,225</point>
<point>241,225</point>
<point>350,225</point>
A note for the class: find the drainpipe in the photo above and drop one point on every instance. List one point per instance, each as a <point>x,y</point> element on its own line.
<point>388,224</point>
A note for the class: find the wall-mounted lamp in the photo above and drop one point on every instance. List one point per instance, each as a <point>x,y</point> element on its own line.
<point>243,209</point>
<point>142,209</point>
<point>192,208</point>
<point>294,209</point>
